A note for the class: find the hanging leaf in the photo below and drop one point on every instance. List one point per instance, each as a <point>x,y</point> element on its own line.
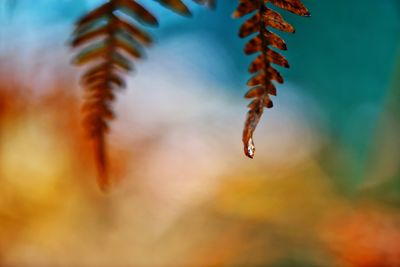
<point>111,42</point>
<point>261,84</point>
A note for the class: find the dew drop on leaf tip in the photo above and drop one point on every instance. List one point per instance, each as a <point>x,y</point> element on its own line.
<point>250,149</point>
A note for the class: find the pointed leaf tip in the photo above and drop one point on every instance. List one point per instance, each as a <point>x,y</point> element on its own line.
<point>250,149</point>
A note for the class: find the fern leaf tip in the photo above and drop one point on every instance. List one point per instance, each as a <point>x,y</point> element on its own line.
<point>249,148</point>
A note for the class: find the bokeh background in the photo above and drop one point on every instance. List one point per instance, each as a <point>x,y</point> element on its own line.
<point>323,189</point>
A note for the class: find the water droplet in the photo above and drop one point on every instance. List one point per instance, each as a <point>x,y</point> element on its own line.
<point>251,149</point>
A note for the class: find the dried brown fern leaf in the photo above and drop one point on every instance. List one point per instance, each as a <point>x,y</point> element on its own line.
<point>110,41</point>
<point>261,84</point>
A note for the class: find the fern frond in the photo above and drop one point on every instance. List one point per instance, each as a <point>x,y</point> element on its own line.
<point>261,84</point>
<point>110,43</point>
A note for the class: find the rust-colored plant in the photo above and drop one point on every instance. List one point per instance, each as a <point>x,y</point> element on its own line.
<point>261,84</point>
<point>111,42</point>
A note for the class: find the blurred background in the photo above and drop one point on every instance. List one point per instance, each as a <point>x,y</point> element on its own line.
<point>323,189</point>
